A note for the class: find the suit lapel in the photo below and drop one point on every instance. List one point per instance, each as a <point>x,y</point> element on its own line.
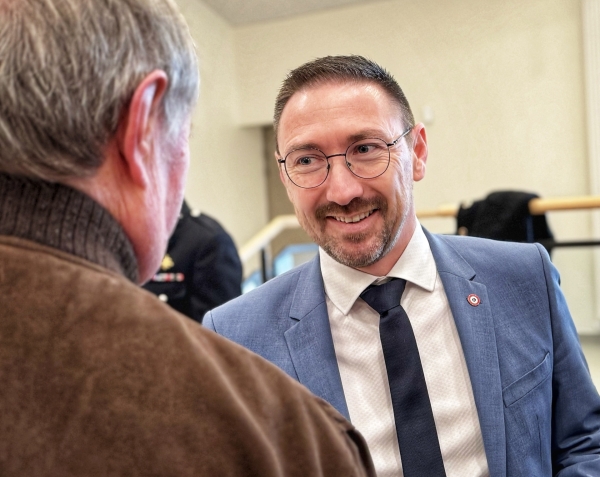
<point>310,342</point>
<point>477,334</point>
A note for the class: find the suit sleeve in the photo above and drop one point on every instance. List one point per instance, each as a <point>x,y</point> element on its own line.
<point>208,322</point>
<point>576,404</point>
<point>217,275</point>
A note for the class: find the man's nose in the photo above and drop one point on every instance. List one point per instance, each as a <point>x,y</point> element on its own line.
<point>342,185</point>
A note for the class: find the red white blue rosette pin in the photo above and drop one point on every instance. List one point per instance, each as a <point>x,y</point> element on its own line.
<point>474,300</point>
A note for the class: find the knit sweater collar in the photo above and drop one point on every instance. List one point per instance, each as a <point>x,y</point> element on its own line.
<point>66,219</point>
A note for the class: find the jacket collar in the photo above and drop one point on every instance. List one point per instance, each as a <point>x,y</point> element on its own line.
<point>475,325</point>
<point>447,258</point>
<point>309,340</point>
<point>66,219</point>
<point>310,290</point>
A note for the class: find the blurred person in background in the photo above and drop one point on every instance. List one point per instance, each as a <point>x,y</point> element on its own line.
<point>201,269</point>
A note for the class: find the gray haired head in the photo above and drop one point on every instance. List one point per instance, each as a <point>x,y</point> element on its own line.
<point>69,67</point>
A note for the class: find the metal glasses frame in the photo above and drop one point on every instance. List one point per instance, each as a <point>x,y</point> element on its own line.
<point>348,165</point>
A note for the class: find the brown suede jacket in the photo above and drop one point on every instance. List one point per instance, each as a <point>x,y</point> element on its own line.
<point>99,378</point>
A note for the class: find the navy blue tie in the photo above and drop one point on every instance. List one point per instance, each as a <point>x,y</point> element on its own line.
<point>417,436</point>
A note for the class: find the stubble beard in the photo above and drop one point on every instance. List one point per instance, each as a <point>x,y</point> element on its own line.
<point>374,250</point>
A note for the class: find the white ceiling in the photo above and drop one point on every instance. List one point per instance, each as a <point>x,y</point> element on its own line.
<point>239,12</point>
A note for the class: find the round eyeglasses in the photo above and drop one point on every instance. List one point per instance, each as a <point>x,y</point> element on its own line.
<point>308,167</point>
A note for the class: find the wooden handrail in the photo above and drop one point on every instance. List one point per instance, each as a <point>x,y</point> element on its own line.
<point>447,210</point>
<point>536,207</point>
<point>267,234</point>
<point>541,206</point>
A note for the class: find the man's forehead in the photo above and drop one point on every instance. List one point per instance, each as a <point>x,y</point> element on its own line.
<point>332,91</point>
<point>321,101</point>
<point>336,87</point>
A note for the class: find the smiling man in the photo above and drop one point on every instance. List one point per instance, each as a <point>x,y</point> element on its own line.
<point>361,224</point>
<point>453,356</point>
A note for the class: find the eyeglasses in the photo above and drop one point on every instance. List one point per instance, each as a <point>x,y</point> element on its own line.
<point>368,158</point>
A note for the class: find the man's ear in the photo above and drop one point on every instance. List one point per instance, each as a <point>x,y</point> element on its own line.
<point>419,152</point>
<point>139,124</point>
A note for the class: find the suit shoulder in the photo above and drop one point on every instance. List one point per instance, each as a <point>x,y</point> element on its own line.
<point>497,256</point>
<point>273,297</point>
<point>477,245</point>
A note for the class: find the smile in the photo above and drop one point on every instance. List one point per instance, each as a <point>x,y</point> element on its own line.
<point>354,218</point>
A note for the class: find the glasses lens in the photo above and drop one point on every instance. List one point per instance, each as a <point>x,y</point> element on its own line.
<point>368,158</point>
<point>306,167</point>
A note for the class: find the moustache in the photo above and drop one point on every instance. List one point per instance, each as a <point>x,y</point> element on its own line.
<point>355,205</point>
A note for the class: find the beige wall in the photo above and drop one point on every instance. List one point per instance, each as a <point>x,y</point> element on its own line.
<point>503,78</point>
<point>226,178</point>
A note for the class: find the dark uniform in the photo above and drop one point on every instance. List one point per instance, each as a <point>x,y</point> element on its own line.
<point>201,269</point>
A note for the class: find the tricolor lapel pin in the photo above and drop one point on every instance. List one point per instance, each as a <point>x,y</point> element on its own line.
<point>474,300</point>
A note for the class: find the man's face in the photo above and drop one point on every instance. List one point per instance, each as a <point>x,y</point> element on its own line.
<point>356,221</point>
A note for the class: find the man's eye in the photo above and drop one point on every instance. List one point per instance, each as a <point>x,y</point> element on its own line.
<point>305,161</point>
<point>308,161</point>
<point>364,148</point>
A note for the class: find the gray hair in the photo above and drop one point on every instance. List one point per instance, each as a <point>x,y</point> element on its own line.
<point>69,67</point>
<point>340,68</point>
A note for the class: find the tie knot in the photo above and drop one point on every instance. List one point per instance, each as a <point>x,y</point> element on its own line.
<point>383,298</point>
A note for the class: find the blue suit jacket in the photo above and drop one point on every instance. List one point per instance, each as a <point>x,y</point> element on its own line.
<point>538,408</point>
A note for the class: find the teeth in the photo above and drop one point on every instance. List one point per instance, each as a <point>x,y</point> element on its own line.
<point>355,218</point>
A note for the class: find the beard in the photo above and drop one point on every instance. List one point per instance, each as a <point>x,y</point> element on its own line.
<point>375,248</point>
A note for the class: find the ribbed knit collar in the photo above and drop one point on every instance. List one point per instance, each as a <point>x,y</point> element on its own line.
<point>66,219</point>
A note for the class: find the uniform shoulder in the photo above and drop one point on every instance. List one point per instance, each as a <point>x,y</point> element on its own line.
<point>193,233</point>
<point>205,222</point>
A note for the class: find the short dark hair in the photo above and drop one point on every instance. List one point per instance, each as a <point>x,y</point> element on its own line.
<point>352,68</point>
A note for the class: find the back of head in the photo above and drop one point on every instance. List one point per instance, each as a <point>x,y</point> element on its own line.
<point>68,69</point>
<point>341,69</point>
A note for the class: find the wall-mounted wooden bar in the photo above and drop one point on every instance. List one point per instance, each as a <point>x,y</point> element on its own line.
<point>541,206</point>
<point>447,210</point>
<point>536,206</point>
<point>268,233</point>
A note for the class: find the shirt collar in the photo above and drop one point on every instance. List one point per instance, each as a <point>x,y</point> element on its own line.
<point>343,284</point>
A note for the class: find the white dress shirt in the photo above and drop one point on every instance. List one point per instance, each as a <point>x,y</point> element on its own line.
<point>355,331</point>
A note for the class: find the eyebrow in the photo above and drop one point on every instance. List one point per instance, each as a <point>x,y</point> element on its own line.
<point>306,145</point>
<point>365,133</point>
